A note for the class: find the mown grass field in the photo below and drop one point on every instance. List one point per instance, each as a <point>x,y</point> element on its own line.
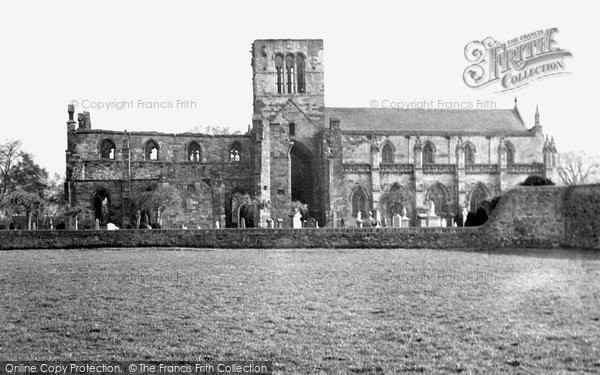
<point>310,311</point>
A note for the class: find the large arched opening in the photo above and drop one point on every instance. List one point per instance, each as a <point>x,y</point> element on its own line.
<point>302,178</point>
<point>101,205</point>
<point>479,194</point>
<point>394,200</point>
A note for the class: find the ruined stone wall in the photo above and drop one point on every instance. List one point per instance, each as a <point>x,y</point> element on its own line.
<point>204,186</point>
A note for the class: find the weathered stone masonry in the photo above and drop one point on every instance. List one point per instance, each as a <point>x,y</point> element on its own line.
<point>337,160</point>
<point>533,217</point>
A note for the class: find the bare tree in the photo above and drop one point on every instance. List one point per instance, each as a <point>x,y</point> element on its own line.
<point>214,130</point>
<point>158,200</point>
<point>576,168</point>
<point>10,155</point>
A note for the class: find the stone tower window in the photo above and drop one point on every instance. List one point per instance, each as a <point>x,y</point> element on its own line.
<point>300,63</point>
<point>235,152</point>
<point>290,73</point>
<point>387,154</point>
<point>510,153</point>
<point>428,153</point>
<point>107,149</point>
<point>359,202</point>
<point>151,150</point>
<point>194,152</point>
<point>292,129</point>
<point>279,71</point>
<point>469,153</point>
<point>290,77</point>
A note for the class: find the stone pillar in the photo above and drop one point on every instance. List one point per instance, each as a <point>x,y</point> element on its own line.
<point>71,123</point>
<point>502,172</point>
<point>375,176</point>
<point>418,177</point>
<point>461,196</point>
<point>337,195</point>
<point>126,182</point>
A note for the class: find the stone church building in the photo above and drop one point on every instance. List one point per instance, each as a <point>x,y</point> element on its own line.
<point>339,161</point>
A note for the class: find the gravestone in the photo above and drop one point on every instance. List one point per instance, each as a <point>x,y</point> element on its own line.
<point>243,223</point>
<point>217,224</point>
<point>359,221</point>
<point>297,220</point>
<point>405,221</point>
<point>311,223</point>
<point>270,224</point>
<point>111,226</point>
<point>97,224</point>
<point>430,219</point>
<point>280,223</point>
<point>465,213</point>
<point>396,219</point>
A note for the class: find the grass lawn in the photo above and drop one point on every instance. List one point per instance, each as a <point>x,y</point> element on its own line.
<point>309,311</point>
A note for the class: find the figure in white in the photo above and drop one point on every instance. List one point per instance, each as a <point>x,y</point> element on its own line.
<point>431,208</point>
<point>465,213</point>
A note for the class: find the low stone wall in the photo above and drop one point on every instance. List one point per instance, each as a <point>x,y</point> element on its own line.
<point>541,217</point>
<point>247,238</point>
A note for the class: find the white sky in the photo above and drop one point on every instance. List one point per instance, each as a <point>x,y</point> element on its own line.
<point>55,52</point>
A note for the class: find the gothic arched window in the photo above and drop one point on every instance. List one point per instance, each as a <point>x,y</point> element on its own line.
<point>428,153</point>
<point>359,202</point>
<point>387,153</point>
<point>510,153</point>
<point>194,152</point>
<point>235,152</point>
<point>300,63</point>
<point>290,73</point>
<point>469,153</point>
<point>107,149</point>
<point>151,150</point>
<point>478,194</point>
<point>440,196</point>
<point>279,73</point>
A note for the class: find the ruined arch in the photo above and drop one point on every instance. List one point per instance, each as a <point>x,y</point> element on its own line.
<point>360,202</point>
<point>151,149</point>
<point>107,149</point>
<point>479,193</point>
<point>101,205</point>
<point>235,152</point>
<point>302,175</point>
<point>439,194</point>
<point>194,152</point>
<point>395,198</point>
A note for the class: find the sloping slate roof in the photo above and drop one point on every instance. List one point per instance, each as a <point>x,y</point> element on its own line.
<point>426,120</point>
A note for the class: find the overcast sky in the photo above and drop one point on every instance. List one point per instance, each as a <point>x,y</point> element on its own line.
<point>55,52</point>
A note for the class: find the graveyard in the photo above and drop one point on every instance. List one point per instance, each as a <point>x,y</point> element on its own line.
<point>517,294</point>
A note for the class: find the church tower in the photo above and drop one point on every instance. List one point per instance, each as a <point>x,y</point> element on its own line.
<point>288,93</point>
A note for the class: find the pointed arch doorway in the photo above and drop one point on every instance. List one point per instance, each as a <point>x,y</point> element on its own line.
<point>302,178</point>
